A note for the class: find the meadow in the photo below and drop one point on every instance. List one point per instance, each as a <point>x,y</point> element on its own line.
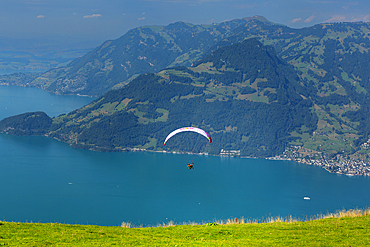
<point>343,228</point>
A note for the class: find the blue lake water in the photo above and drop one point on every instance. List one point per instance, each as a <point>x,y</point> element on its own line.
<point>16,100</point>
<point>43,180</point>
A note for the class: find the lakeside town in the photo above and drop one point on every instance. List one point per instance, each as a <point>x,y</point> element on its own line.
<point>340,164</point>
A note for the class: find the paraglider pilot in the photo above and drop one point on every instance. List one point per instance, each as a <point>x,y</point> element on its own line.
<point>190,166</point>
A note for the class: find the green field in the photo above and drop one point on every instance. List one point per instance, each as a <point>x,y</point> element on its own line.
<point>345,228</point>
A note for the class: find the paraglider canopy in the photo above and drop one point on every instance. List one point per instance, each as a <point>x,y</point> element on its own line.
<point>193,129</point>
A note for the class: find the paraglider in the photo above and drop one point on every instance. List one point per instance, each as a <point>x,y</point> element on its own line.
<point>192,129</point>
<point>190,166</point>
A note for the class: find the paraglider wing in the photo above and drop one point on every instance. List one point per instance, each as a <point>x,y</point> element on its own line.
<point>193,129</point>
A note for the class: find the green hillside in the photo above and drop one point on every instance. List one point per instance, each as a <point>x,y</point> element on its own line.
<point>243,95</point>
<point>251,101</point>
<point>344,229</point>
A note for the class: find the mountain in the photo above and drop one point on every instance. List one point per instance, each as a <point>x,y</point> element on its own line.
<point>39,55</point>
<point>246,97</point>
<point>140,50</point>
<point>313,82</point>
<point>316,52</point>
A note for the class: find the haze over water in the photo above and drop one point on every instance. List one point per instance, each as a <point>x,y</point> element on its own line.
<point>43,180</point>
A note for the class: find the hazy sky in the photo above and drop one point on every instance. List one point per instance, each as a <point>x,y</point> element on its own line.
<point>101,20</point>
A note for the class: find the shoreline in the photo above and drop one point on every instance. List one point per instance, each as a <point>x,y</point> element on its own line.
<point>339,164</point>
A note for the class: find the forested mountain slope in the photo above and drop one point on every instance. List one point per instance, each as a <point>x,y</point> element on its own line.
<point>243,95</point>
<point>325,65</point>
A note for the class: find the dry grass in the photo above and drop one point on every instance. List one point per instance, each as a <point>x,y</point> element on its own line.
<point>348,213</point>
<point>168,224</point>
<point>126,225</point>
<point>290,219</point>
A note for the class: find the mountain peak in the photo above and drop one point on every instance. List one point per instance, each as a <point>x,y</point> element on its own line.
<point>257,17</point>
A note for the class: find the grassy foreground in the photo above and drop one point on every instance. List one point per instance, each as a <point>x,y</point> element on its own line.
<point>346,228</point>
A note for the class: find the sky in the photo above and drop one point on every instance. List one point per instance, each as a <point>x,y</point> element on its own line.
<point>101,20</point>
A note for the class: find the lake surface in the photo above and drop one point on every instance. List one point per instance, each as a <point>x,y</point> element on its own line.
<point>43,180</point>
<point>16,100</point>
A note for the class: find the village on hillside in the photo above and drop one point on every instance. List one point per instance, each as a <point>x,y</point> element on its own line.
<point>340,164</point>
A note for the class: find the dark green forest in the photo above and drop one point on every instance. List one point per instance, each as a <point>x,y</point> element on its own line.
<point>33,123</point>
<point>144,112</point>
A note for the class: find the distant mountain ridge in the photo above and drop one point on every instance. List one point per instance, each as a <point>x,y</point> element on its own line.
<point>37,55</point>
<point>152,48</point>
<point>140,50</point>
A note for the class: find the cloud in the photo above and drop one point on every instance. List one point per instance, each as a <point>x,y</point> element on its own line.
<point>190,1</point>
<point>309,19</point>
<point>141,18</point>
<point>366,18</point>
<point>346,18</point>
<point>296,20</point>
<point>322,2</point>
<point>92,16</point>
<point>40,16</point>
<point>337,18</point>
<point>244,6</point>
